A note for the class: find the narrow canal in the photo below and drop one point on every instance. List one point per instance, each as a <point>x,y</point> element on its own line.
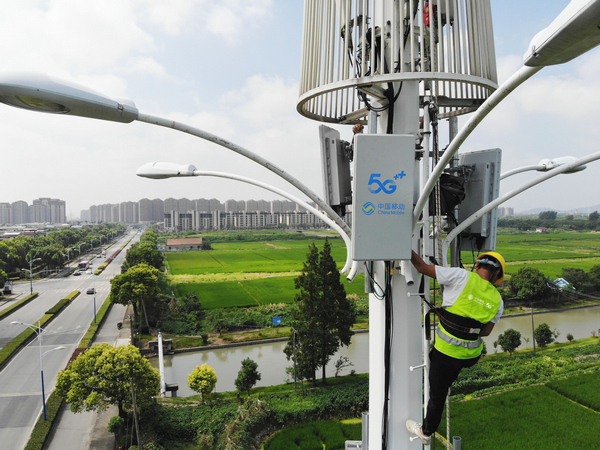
<point>271,360</point>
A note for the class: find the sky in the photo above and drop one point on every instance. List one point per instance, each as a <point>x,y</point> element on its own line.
<point>232,68</point>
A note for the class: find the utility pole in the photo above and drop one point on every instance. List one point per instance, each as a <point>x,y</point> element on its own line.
<point>398,67</point>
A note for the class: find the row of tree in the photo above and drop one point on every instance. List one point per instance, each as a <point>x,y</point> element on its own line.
<point>141,279</point>
<point>510,340</point>
<point>551,219</point>
<point>51,250</point>
<point>529,283</point>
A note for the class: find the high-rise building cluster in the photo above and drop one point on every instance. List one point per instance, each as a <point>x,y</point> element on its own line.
<point>203,214</point>
<point>505,211</point>
<point>42,210</point>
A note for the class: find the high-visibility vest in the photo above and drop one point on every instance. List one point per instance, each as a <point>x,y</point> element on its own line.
<point>479,301</point>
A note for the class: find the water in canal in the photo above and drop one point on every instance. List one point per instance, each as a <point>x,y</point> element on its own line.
<point>271,360</point>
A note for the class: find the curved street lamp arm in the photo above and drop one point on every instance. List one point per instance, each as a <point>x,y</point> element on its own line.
<point>315,211</point>
<point>510,173</point>
<point>487,208</point>
<point>250,155</point>
<point>491,102</point>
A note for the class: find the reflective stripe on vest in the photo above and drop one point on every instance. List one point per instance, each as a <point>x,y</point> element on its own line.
<point>454,341</point>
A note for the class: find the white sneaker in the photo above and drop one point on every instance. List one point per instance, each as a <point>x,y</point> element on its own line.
<point>415,428</point>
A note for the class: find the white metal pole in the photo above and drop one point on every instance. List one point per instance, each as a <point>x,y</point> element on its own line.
<point>404,399</point>
<point>39,335</point>
<point>161,366</point>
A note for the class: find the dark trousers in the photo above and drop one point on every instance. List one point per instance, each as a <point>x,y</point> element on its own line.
<point>443,371</point>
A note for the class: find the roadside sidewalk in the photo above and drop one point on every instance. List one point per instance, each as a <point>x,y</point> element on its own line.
<point>88,430</point>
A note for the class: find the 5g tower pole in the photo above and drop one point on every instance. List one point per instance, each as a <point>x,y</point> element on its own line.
<point>397,66</point>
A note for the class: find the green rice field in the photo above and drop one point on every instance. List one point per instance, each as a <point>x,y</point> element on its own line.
<point>242,273</point>
<point>262,291</point>
<point>560,414</point>
<point>275,256</point>
<point>549,252</point>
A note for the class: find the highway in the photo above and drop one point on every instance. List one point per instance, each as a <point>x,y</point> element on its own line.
<point>20,379</point>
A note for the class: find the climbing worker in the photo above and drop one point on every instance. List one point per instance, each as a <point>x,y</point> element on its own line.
<point>471,306</point>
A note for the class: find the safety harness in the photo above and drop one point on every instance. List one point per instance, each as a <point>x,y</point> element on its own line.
<point>462,327</point>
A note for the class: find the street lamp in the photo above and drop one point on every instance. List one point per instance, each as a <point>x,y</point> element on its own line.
<point>38,330</point>
<point>38,92</point>
<point>68,250</point>
<point>546,165</point>
<point>160,170</point>
<point>574,32</point>
<point>557,170</point>
<point>31,273</point>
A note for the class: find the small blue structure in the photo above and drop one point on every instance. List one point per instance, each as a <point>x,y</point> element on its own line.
<point>560,283</point>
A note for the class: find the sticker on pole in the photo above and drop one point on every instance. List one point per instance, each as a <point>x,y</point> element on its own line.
<point>383,197</point>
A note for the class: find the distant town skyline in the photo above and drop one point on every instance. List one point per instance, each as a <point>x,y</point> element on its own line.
<point>41,210</point>
<point>53,211</point>
<point>155,210</point>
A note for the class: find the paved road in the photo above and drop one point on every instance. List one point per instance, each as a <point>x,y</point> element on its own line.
<point>20,379</point>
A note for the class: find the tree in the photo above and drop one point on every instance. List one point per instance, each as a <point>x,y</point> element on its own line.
<point>594,277</point>
<point>594,217</point>
<point>143,252</point>
<point>577,278</point>
<point>3,279</point>
<point>137,284</point>
<point>510,340</point>
<point>342,363</point>
<point>543,335</point>
<point>115,425</point>
<point>104,375</point>
<point>323,316</point>
<point>548,215</point>
<point>529,283</point>
<point>248,376</point>
<point>203,380</point>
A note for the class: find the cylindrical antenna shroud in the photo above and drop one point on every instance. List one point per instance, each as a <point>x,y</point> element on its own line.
<point>353,49</point>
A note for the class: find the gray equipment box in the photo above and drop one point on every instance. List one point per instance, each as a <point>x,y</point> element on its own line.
<point>383,189</point>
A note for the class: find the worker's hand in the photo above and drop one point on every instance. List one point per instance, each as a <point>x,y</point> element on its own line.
<point>358,128</point>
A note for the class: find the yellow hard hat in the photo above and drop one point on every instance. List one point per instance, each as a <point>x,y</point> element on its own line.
<point>485,259</point>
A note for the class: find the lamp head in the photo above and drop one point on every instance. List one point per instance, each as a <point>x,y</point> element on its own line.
<point>549,164</point>
<point>159,170</point>
<point>574,32</point>
<point>38,92</point>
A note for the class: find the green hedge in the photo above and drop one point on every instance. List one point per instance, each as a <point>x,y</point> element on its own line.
<point>11,309</point>
<point>93,329</point>
<point>42,428</point>
<point>63,303</point>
